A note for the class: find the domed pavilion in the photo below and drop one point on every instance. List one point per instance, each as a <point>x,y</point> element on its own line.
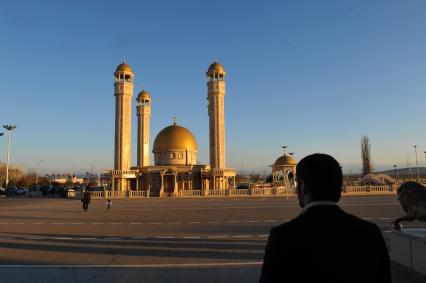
<point>284,170</point>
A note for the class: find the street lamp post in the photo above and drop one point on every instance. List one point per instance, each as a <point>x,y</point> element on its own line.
<point>38,165</point>
<point>98,181</point>
<point>425,154</point>
<point>394,167</point>
<point>9,129</point>
<point>417,164</point>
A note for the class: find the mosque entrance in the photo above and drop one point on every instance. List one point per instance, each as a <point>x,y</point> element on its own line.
<point>169,185</point>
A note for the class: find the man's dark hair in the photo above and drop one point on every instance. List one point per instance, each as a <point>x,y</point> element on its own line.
<point>322,175</point>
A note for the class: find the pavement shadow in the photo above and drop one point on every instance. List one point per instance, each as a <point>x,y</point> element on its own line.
<point>149,247</point>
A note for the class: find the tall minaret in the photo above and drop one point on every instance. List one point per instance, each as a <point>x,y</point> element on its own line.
<point>143,110</point>
<point>123,92</point>
<point>216,108</point>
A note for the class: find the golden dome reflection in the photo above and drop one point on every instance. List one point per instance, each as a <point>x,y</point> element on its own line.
<point>175,137</point>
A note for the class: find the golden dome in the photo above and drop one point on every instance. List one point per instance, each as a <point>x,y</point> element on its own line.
<point>175,137</point>
<point>285,160</point>
<point>143,94</point>
<point>216,67</point>
<point>123,67</point>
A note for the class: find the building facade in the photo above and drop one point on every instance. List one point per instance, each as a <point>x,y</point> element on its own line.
<point>176,167</point>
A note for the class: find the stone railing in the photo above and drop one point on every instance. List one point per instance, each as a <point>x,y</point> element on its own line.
<point>283,191</point>
<point>190,193</point>
<point>240,192</point>
<point>138,194</point>
<point>386,189</point>
<point>108,194</point>
<point>114,194</point>
<point>261,191</point>
<point>215,193</point>
<point>97,194</point>
<point>125,173</point>
<point>251,192</point>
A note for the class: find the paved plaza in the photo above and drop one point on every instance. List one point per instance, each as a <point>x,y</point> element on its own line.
<point>153,240</point>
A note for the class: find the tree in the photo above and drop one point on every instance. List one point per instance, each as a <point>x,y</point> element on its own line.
<point>43,181</point>
<point>15,174</point>
<point>366,156</point>
<point>239,178</point>
<point>254,178</point>
<point>27,180</point>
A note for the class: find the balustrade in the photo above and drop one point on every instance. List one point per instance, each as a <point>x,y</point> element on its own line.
<point>252,191</point>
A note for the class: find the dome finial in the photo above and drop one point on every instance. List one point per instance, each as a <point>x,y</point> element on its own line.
<point>174,120</point>
<point>285,149</point>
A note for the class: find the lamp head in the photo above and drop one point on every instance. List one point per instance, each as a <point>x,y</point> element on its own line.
<point>9,127</point>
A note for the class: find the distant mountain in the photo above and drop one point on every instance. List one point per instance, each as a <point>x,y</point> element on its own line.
<point>404,171</point>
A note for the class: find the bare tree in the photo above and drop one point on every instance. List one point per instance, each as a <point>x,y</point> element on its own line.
<point>254,178</point>
<point>15,174</point>
<point>366,156</point>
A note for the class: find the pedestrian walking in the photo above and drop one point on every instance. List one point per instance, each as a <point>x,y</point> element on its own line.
<point>108,204</point>
<point>86,200</point>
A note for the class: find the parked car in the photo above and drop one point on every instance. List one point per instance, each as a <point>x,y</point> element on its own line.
<point>21,191</point>
<point>11,190</point>
<point>243,187</point>
<point>35,188</point>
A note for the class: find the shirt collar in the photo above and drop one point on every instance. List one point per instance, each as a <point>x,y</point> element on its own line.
<point>316,203</point>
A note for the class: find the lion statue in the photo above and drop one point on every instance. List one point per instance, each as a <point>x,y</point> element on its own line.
<point>412,196</point>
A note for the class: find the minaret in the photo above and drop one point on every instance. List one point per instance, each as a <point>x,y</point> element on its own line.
<point>123,92</point>
<point>143,110</point>
<point>216,108</point>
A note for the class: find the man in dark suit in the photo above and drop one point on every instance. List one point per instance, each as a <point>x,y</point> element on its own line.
<point>324,243</point>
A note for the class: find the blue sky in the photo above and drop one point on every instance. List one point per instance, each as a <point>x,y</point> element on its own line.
<point>313,75</point>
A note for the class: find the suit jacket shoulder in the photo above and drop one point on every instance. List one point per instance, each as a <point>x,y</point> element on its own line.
<point>329,243</point>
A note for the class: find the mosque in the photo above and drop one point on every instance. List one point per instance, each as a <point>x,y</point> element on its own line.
<point>175,148</point>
